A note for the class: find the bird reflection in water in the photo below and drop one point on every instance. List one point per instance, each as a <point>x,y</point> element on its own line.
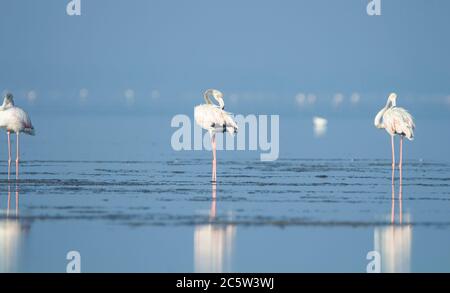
<point>11,233</point>
<point>394,241</point>
<point>213,243</point>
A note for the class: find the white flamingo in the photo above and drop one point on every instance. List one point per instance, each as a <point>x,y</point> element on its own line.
<point>214,119</point>
<point>396,121</point>
<point>14,119</point>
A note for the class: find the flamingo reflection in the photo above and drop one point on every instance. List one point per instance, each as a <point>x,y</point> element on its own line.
<point>394,241</point>
<point>10,234</point>
<point>213,243</point>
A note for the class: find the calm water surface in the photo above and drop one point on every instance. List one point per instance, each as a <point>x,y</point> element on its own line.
<point>156,213</point>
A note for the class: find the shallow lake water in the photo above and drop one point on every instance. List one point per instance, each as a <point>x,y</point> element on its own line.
<point>157,214</point>
<point>290,215</point>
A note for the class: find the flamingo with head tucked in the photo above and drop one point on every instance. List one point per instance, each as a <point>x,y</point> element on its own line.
<point>16,120</point>
<point>396,121</point>
<point>214,119</point>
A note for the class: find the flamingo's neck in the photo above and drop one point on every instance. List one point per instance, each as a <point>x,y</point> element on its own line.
<point>6,104</point>
<point>378,121</point>
<point>208,100</point>
<point>206,97</point>
<point>221,103</point>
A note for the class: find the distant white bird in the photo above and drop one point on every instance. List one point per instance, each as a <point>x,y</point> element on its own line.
<point>214,119</point>
<point>320,126</point>
<point>396,121</point>
<point>14,119</point>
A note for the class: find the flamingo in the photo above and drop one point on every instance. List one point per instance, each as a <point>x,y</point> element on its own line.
<point>14,119</point>
<point>396,121</point>
<point>214,119</point>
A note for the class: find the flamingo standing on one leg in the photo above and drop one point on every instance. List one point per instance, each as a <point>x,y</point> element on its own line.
<point>214,119</point>
<point>16,120</point>
<point>396,121</point>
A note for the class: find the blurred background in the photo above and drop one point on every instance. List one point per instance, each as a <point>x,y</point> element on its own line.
<point>104,85</point>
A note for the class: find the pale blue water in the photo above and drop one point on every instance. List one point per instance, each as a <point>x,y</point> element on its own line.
<point>112,189</point>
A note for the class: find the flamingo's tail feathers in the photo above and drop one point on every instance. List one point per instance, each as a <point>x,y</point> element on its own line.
<point>411,136</point>
<point>29,130</point>
<point>231,125</point>
<point>231,129</point>
<point>409,133</point>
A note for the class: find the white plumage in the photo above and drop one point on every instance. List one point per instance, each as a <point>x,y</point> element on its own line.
<point>320,126</point>
<point>396,121</point>
<point>14,119</point>
<point>214,119</point>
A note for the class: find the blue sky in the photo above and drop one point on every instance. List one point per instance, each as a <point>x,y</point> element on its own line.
<point>262,52</point>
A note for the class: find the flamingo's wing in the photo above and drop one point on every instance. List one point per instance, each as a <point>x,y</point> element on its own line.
<point>399,121</point>
<point>229,124</point>
<point>213,118</point>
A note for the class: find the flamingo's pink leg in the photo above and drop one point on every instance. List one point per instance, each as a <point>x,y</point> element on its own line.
<point>9,155</point>
<point>17,156</point>
<point>213,143</point>
<point>393,159</point>
<point>401,160</point>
